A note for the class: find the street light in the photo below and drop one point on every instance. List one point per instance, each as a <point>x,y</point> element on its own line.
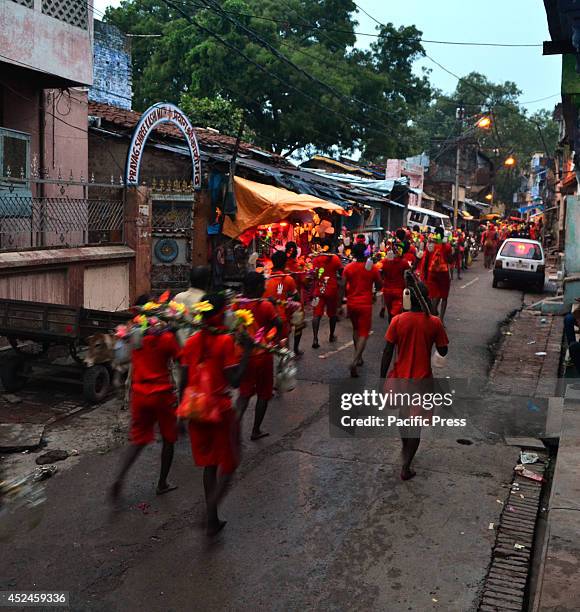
<point>509,161</point>
<point>484,122</point>
<point>489,197</point>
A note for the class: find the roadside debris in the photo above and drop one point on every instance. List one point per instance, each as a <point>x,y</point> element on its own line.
<point>525,473</point>
<point>44,473</point>
<point>529,457</point>
<point>541,354</point>
<point>144,507</point>
<point>491,526</point>
<point>12,399</point>
<point>51,456</point>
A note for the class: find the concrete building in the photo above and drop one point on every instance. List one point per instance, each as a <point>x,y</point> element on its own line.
<point>57,241</point>
<point>112,78</point>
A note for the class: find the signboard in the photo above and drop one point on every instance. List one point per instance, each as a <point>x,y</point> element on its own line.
<point>530,207</point>
<point>161,112</point>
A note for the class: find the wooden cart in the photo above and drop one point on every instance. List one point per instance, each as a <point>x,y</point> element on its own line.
<point>32,328</point>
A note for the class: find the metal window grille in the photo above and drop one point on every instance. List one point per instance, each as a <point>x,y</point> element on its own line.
<point>171,218</point>
<point>73,12</point>
<point>28,222</point>
<point>27,3</point>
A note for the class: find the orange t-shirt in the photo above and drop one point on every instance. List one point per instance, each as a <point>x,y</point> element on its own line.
<point>393,273</point>
<point>330,265</point>
<point>414,334</point>
<point>279,287</point>
<point>151,363</point>
<point>217,350</point>
<point>359,283</point>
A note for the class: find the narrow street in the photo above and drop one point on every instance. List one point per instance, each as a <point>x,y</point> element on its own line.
<point>314,522</point>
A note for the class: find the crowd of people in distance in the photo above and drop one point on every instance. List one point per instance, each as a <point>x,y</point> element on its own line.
<point>410,271</point>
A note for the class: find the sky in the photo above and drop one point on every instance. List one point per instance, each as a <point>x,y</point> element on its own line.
<point>496,21</point>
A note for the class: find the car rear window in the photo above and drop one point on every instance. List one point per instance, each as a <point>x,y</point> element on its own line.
<point>521,250</point>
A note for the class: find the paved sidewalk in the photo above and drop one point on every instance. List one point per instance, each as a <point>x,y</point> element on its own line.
<point>558,587</point>
<point>528,359</point>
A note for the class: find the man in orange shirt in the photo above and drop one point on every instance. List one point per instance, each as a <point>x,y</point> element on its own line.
<point>153,401</point>
<point>359,282</point>
<point>258,378</point>
<point>327,268</point>
<point>296,270</point>
<point>435,273</point>
<point>413,334</point>
<point>393,272</point>
<point>281,288</point>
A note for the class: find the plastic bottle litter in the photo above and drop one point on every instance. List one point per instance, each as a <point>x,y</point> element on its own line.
<point>529,457</point>
<point>525,473</point>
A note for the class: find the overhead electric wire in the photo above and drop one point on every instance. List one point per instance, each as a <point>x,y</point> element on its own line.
<point>265,70</point>
<point>281,56</point>
<point>287,23</point>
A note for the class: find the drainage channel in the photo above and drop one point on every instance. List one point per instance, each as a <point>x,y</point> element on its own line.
<point>506,585</point>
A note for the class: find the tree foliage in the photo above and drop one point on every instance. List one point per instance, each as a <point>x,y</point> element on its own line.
<point>514,130</point>
<point>215,113</point>
<point>293,68</point>
<point>353,100</point>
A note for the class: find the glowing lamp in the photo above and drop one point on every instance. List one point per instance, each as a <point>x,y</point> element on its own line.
<point>484,123</point>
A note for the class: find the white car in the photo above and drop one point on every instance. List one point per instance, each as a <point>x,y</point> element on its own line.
<point>521,260</point>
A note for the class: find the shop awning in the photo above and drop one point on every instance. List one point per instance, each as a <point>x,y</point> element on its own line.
<point>260,204</point>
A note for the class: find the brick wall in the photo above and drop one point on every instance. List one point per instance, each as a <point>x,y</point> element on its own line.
<point>112,80</point>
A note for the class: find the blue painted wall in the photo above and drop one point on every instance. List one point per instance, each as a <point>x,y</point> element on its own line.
<point>112,80</point>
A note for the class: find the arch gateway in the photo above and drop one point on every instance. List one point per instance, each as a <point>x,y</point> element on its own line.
<point>162,112</point>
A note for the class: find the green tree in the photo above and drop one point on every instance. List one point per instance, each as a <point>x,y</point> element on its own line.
<point>354,100</point>
<point>514,130</point>
<point>215,113</point>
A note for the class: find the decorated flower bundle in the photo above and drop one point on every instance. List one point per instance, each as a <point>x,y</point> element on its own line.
<point>156,317</point>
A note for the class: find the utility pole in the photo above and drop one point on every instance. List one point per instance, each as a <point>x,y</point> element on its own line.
<point>459,114</point>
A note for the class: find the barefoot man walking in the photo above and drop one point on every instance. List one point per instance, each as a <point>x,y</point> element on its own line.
<point>360,277</point>
<point>413,334</point>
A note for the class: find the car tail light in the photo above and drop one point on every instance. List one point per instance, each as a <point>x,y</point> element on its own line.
<point>498,263</point>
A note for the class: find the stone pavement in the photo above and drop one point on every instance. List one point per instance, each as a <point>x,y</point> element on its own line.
<point>558,587</point>
<point>527,362</point>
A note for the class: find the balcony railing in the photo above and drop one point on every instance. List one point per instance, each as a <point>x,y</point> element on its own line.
<point>30,222</point>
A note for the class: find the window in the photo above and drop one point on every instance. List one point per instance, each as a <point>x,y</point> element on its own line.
<point>521,250</point>
<point>27,3</point>
<point>15,158</point>
<point>73,12</point>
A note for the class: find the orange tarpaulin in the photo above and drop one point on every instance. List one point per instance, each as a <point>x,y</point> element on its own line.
<point>260,204</point>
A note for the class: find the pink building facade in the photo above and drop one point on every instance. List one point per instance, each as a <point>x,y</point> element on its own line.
<point>61,236</point>
<point>398,168</point>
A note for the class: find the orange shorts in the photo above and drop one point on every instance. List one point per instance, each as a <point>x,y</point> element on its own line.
<point>327,301</point>
<point>393,302</point>
<point>149,409</point>
<point>362,319</point>
<point>259,377</point>
<point>217,443</point>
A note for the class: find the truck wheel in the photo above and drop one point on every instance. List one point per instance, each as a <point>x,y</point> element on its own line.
<point>13,374</point>
<point>494,283</point>
<point>96,383</point>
